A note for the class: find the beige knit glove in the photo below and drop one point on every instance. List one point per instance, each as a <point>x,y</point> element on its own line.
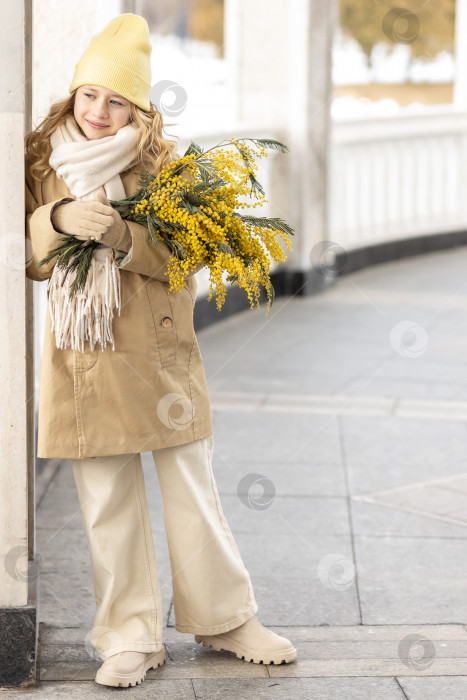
<point>93,218</point>
<point>82,218</point>
<point>118,236</point>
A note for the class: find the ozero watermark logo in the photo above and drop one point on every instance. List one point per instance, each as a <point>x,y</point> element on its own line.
<point>336,571</point>
<point>328,258</point>
<point>17,251</point>
<point>169,97</point>
<point>401,26</point>
<point>256,491</point>
<point>176,411</point>
<point>17,564</point>
<point>416,651</point>
<point>409,339</point>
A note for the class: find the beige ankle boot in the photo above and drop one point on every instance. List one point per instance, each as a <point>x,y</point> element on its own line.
<point>252,642</point>
<point>128,668</point>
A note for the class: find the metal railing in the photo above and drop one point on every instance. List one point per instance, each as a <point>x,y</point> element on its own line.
<point>397,177</point>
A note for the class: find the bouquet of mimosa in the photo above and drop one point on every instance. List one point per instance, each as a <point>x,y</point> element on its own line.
<point>194,205</point>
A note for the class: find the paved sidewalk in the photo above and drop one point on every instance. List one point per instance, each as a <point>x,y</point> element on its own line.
<point>340,442</point>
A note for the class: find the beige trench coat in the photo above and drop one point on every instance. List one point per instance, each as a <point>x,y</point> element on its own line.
<point>148,393</point>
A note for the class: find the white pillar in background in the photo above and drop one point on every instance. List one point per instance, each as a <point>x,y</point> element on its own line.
<point>309,122</point>
<point>281,56</point>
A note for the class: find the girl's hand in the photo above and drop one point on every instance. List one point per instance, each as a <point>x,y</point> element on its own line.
<point>84,219</point>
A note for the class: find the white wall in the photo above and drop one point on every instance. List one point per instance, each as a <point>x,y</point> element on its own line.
<point>14,540</point>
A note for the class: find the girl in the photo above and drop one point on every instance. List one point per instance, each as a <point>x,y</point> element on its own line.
<point>102,406</point>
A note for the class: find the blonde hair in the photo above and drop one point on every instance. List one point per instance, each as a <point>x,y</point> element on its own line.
<point>153,149</point>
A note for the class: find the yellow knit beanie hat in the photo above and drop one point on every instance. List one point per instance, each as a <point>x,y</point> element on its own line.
<point>118,58</point>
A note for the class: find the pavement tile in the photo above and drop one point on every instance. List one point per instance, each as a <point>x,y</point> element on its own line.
<point>390,387</point>
<point>437,499</point>
<point>293,479</point>
<point>160,689</point>
<point>58,506</point>
<point>377,473</point>
<point>394,442</point>
<point>272,436</point>
<point>434,688</point>
<point>411,580</point>
<point>396,650</point>
<point>298,688</point>
<point>370,518</point>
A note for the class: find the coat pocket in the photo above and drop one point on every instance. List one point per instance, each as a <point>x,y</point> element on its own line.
<point>164,322</point>
<point>82,361</point>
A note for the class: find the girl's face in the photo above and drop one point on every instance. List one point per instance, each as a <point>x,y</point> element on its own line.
<point>100,112</point>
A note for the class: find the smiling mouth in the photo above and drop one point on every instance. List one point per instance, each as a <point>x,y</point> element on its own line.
<point>101,126</point>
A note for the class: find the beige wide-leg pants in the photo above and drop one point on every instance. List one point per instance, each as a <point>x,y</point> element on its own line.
<point>212,590</point>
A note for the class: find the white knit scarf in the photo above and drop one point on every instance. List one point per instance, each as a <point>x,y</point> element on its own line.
<point>88,166</point>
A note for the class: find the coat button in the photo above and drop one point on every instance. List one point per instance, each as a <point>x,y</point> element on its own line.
<point>167,321</point>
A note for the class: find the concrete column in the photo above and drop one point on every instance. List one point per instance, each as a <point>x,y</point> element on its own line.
<point>309,131</point>
<point>281,57</point>
<point>256,46</point>
<point>18,609</point>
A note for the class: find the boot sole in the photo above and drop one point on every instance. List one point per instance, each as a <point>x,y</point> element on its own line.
<point>276,658</point>
<point>127,680</point>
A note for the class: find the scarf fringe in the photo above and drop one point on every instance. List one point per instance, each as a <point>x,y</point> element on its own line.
<point>88,167</point>
<point>88,316</point>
